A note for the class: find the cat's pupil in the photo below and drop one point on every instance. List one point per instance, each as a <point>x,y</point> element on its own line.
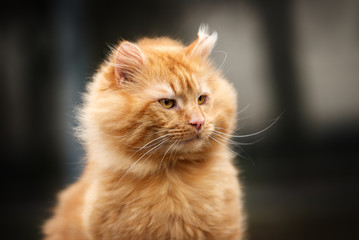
<point>201,99</point>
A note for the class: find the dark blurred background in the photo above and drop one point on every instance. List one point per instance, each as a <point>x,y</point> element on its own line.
<point>298,58</point>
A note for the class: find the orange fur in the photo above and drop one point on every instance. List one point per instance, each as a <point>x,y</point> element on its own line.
<point>150,174</point>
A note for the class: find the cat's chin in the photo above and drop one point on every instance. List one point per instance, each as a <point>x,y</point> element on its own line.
<point>193,144</point>
<point>191,140</point>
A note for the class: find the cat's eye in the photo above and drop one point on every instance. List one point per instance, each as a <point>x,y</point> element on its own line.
<point>167,103</point>
<point>202,99</point>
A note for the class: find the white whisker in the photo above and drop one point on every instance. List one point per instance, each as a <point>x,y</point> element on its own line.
<point>159,168</point>
<point>174,150</point>
<point>134,164</point>
<point>235,142</point>
<point>223,61</point>
<point>147,144</point>
<point>218,141</point>
<point>154,150</point>
<point>244,109</point>
<point>244,118</point>
<point>251,134</point>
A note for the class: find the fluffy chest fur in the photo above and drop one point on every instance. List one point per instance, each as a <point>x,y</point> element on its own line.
<point>197,205</point>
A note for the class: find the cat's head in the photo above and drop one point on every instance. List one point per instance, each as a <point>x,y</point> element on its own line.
<point>159,98</point>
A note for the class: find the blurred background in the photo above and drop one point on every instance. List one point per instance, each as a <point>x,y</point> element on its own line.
<point>298,58</point>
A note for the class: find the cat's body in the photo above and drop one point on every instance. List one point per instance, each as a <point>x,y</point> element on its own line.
<point>155,168</point>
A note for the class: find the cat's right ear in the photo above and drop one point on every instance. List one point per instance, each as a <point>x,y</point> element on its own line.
<point>204,43</point>
<point>129,61</point>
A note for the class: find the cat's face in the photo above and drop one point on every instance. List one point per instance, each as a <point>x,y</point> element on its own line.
<point>161,98</point>
<point>179,102</point>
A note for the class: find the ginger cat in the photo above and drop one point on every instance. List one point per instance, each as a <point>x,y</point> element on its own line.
<point>155,168</point>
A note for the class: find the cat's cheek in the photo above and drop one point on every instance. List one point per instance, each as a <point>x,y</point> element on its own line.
<point>207,106</point>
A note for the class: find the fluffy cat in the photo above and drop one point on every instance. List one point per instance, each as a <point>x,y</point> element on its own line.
<point>155,168</point>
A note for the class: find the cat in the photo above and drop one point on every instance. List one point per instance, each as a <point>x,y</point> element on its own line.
<point>155,124</point>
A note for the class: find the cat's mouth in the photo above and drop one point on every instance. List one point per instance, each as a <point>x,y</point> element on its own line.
<point>191,140</point>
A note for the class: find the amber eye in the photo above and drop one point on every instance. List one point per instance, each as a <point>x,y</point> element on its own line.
<point>202,99</point>
<point>167,103</point>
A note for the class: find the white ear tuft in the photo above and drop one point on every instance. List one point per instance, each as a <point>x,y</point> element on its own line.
<point>129,61</point>
<point>204,43</point>
<point>203,30</point>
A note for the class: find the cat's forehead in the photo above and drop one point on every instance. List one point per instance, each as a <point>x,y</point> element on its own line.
<point>173,74</point>
<point>173,90</point>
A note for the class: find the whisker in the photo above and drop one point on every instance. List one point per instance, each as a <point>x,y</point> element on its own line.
<point>244,109</point>
<point>244,118</point>
<point>240,155</point>
<point>146,145</point>
<point>174,150</point>
<point>235,142</point>
<point>244,124</point>
<point>122,137</point>
<point>223,61</point>
<point>218,141</point>
<point>239,146</point>
<point>159,168</point>
<point>154,150</point>
<point>134,164</point>
<point>252,134</point>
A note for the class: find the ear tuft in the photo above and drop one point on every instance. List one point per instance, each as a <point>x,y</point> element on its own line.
<point>129,61</point>
<point>204,43</point>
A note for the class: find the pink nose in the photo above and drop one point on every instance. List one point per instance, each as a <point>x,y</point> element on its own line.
<point>197,123</point>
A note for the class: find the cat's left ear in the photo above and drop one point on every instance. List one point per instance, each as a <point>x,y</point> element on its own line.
<point>129,61</point>
<point>204,43</point>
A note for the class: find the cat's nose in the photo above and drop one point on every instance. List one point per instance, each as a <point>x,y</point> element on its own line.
<point>197,123</point>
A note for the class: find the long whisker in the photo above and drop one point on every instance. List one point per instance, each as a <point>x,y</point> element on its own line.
<point>218,141</point>
<point>147,145</point>
<point>235,142</point>
<point>240,148</point>
<point>223,61</point>
<point>154,150</point>
<point>238,145</point>
<point>134,164</point>
<point>251,134</point>
<point>244,109</point>
<point>241,127</point>
<point>126,137</point>
<point>159,168</point>
<point>245,118</point>
<point>174,150</point>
